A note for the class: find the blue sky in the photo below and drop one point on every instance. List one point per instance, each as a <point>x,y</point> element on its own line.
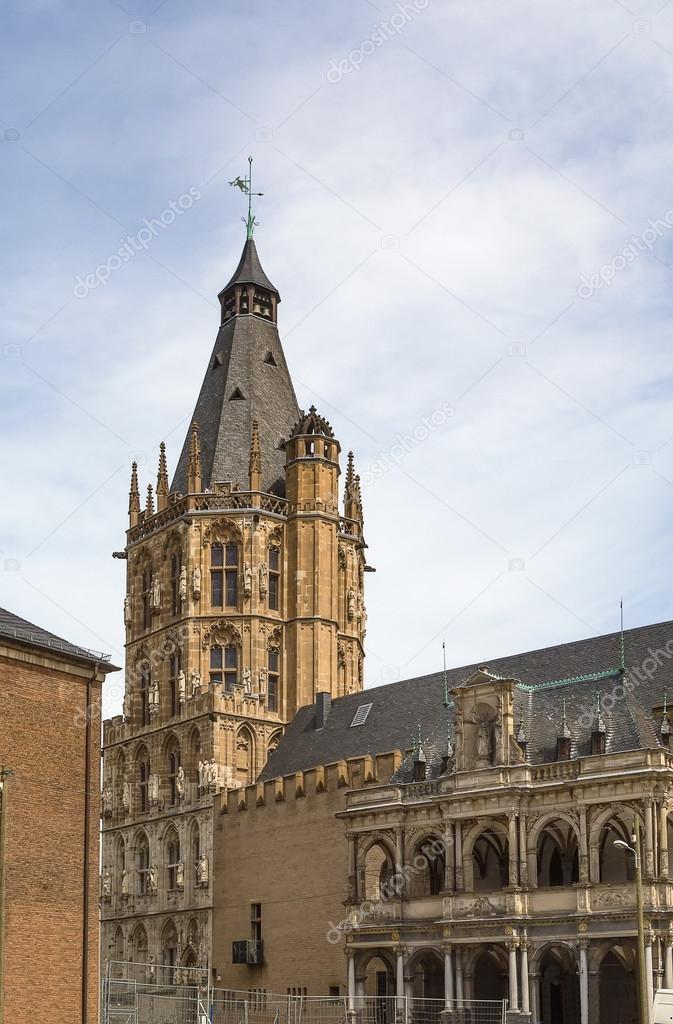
<point>449,200</point>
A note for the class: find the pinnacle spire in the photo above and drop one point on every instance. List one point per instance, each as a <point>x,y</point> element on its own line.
<point>162,479</point>
<point>194,467</point>
<point>255,465</point>
<point>149,511</point>
<point>134,496</point>
<point>352,494</point>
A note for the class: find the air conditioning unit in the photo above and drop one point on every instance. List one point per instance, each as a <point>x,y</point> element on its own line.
<point>248,951</point>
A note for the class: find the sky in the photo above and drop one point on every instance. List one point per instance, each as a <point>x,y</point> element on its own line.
<point>468,210</point>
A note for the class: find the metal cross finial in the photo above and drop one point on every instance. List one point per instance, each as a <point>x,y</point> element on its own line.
<point>245,185</point>
<point>446,685</point>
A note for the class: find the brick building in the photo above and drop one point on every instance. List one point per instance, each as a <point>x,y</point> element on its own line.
<point>50,697</point>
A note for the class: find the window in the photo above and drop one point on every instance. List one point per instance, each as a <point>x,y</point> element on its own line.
<point>274,579</point>
<point>173,860</point>
<point>143,866</point>
<point>216,576</point>
<point>176,561</point>
<point>360,716</point>
<point>224,666</point>
<point>231,574</point>
<point>173,668</point>
<point>143,784</point>
<point>224,575</point>
<point>145,679</point>
<point>146,586</point>
<point>173,768</point>
<point>256,922</point>
<point>274,676</point>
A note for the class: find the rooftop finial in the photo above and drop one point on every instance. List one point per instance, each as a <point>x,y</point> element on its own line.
<point>162,479</point>
<point>134,496</point>
<point>565,731</point>
<point>245,185</point>
<point>446,682</point>
<point>622,662</point>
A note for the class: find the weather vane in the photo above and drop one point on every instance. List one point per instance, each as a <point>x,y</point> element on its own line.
<point>245,185</point>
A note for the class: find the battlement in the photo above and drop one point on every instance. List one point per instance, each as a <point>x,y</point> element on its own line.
<point>352,773</point>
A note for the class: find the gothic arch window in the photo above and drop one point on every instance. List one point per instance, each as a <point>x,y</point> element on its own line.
<point>145,594</point>
<point>194,846</point>
<point>145,681</point>
<point>224,564</point>
<point>273,743</point>
<point>118,781</point>
<point>172,763</point>
<point>120,861</point>
<point>118,950</point>
<point>176,562</point>
<point>224,666</point>
<point>139,950</point>
<point>169,948</point>
<point>273,684</point>
<point>174,666</point>
<point>245,756</point>
<point>142,864</point>
<point>194,756</point>
<point>143,779</point>
<point>274,578</point>
<point>172,846</point>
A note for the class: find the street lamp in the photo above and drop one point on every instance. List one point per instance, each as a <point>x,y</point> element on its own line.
<point>642,985</point>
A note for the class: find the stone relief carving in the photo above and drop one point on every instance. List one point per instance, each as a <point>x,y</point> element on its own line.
<point>263,579</point>
<point>107,801</point>
<point>182,586</point>
<point>351,605</point>
<point>152,880</point>
<point>247,579</point>
<point>202,871</point>
<point>107,885</point>
<point>182,686</point>
<point>196,583</point>
<point>155,596</point>
<point>180,783</point>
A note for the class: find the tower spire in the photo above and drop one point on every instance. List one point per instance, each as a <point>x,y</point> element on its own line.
<point>194,467</point>
<point>352,496</point>
<point>255,466</point>
<point>149,511</point>
<point>162,479</point>
<point>134,497</point>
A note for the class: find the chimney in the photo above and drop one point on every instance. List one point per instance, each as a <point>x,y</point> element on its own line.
<point>323,705</point>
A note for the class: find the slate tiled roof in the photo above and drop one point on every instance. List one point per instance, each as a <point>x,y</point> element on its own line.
<point>250,271</point>
<point>547,677</point>
<point>13,627</point>
<point>242,384</point>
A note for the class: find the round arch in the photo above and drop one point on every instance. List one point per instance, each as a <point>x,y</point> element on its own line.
<point>547,819</point>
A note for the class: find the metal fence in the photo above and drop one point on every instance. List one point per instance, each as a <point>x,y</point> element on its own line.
<point>152,994</point>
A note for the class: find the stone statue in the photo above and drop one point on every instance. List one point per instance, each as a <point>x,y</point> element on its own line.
<point>154,696</point>
<point>263,579</point>
<point>107,885</point>
<point>153,880</point>
<point>125,883</point>
<point>196,583</point>
<point>247,680</point>
<point>262,682</point>
<point>203,780</point>
<point>482,739</point>
<point>247,579</point>
<point>351,605</point>
<point>196,683</point>
<point>202,870</point>
<point>153,787</point>
<point>156,593</point>
<point>182,687</point>
<point>151,969</point>
<point>107,801</point>
<point>180,782</point>
<point>212,774</point>
<point>126,706</point>
<point>182,589</point>
<point>180,875</point>
<point>126,795</point>
<point>128,610</point>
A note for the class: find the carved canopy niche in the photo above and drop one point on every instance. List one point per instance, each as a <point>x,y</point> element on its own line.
<point>220,634</point>
<point>222,531</point>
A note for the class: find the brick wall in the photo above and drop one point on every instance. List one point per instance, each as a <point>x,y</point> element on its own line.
<point>43,706</point>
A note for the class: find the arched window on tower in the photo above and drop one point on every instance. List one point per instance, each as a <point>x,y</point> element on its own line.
<point>173,765</point>
<point>145,680</point>
<point>224,666</point>
<point>173,860</point>
<point>174,663</point>
<point>176,561</point>
<point>274,679</point>
<point>143,769</point>
<point>274,578</point>
<point>224,575</point>
<point>143,865</point>
<point>146,590</point>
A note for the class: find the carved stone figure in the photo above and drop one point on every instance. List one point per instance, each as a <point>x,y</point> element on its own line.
<point>212,774</point>
<point>180,876</point>
<point>196,683</point>
<point>263,578</point>
<point>125,883</point>
<point>107,885</point>
<point>247,579</point>
<point>126,706</point>
<point>196,583</point>
<point>154,697</point>
<point>156,593</point>
<point>182,686</point>
<point>151,969</point>
<point>107,801</point>
<point>202,871</point>
<point>482,739</point>
<point>247,680</point>
<point>128,610</point>
<point>262,682</point>
<point>182,586</point>
<point>153,880</point>
<point>180,782</point>
<point>153,789</point>
<point>126,795</point>
<point>203,775</point>
<point>351,605</point>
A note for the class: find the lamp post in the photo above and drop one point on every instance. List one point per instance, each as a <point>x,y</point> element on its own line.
<point>642,982</point>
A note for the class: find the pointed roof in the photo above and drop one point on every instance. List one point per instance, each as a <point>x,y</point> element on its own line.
<point>250,271</point>
<point>246,379</point>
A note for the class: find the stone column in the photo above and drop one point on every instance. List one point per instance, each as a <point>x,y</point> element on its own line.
<point>668,962</point>
<point>399,859</point>
<point>525,982</point>
<point>663,841</point>
<point>459,976</point>
<point>352,866</point>
<point>535,997</point>
<point>583,850</point>
<point>460,876</point>
<point>513,857</point>
<point>399,986</point>
<point>448,977</point>
<point>449,858</point>
<point>649,982</point>
<point>513,981</point>
<point>523,846</point>
<point>649,846</point>
<point>350,953</point>
<point>584,982</point>
<point>594,995</point>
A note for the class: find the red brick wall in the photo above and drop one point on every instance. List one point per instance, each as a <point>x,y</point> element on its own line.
<point>43,738</point>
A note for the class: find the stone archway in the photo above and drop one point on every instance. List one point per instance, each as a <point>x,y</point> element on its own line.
<point>617,994</point>
<point>490,977</point>
<point>425,972</point>
<point>559,987</point>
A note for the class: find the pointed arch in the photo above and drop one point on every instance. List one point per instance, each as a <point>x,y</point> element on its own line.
<point>245,755</point>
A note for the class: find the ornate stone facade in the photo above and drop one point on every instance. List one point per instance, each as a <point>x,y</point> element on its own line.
<point>237,613</point>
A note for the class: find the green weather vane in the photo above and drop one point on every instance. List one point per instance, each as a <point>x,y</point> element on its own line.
<point>245,185</point>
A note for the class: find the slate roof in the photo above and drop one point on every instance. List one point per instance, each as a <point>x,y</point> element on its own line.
<point>547,677</point>
<point>13,627</point>
<point>250,270</point>
<point>242,384</point>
